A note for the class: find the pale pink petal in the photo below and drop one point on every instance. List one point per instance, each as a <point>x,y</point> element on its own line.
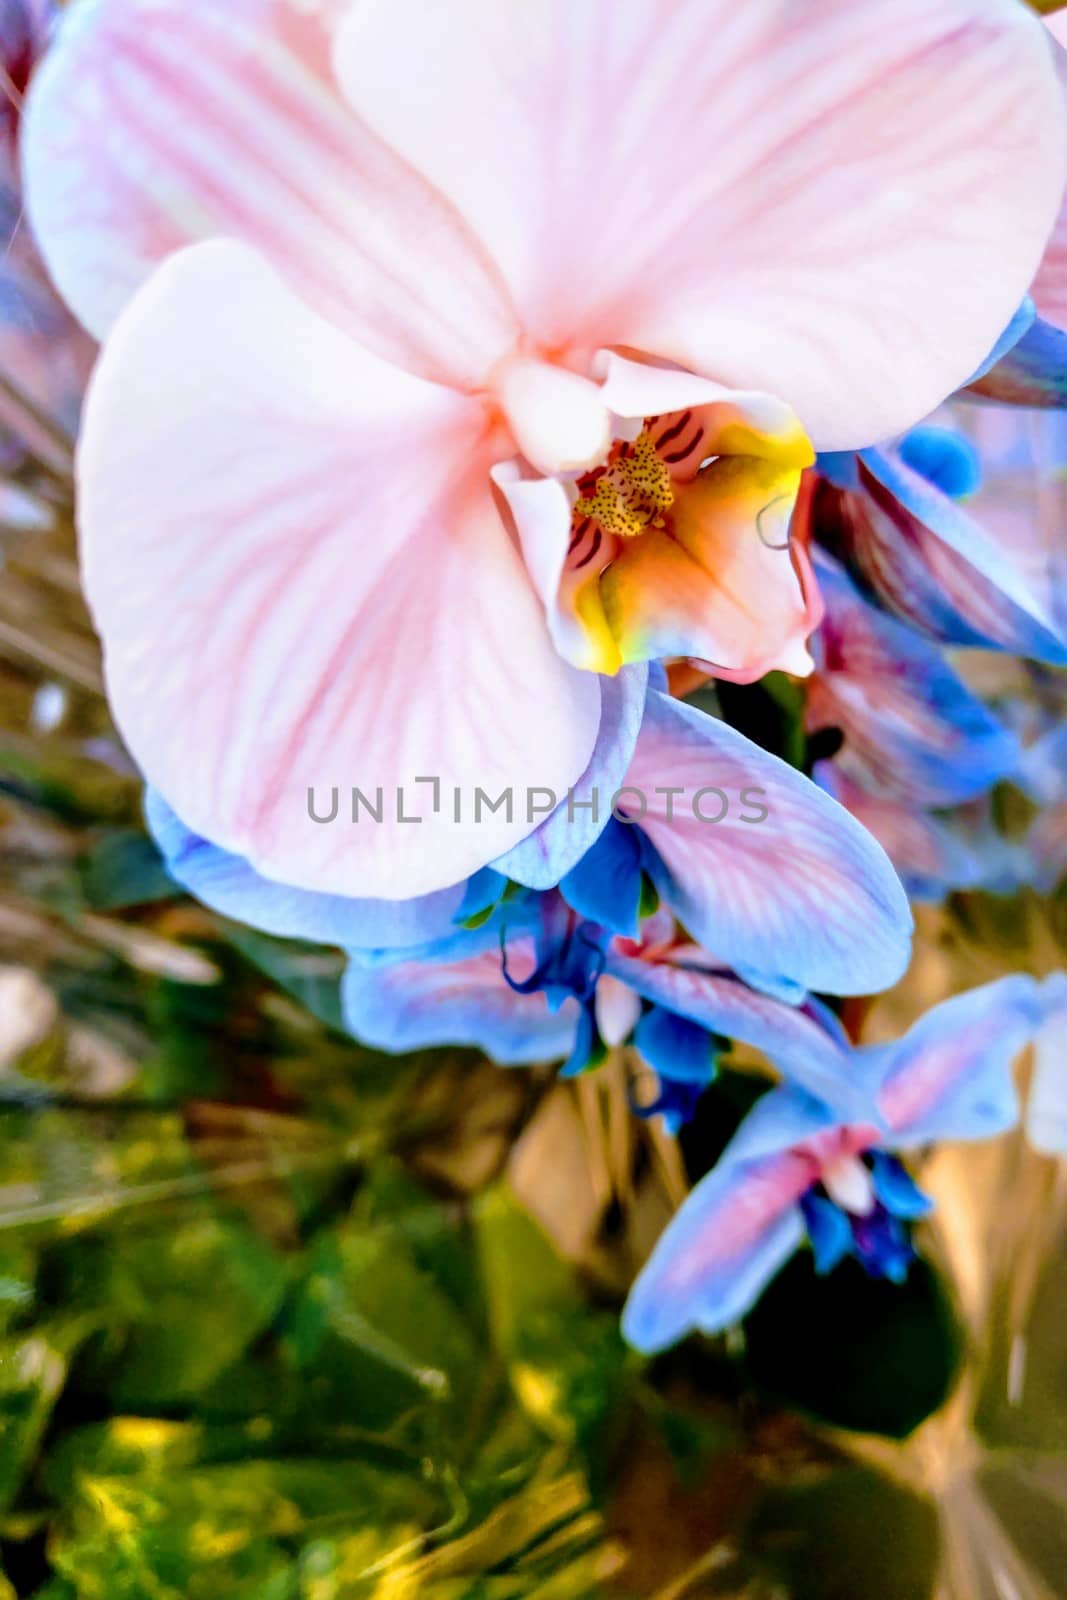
<point>1050,286</point>
<point>789,198</point>
<point>306,583</point>
<point>618,1008</point>
<point>156,123</point>
<point>950,1076</point>
<point>731,1236</point>
<point>735,422</point>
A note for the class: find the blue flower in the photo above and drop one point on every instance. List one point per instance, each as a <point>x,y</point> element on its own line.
<point>877,1233</point>
<point>796,1170</point>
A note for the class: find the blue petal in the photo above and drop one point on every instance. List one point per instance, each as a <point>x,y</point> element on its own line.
<point>570,956</point>
<point>803,1043</point>
<point>417,1004</point>
<point>736,1229</point>
<point>934,855</point>
<point>882,1245</point>
<point>588,1047</point>
<point>1032,373</point>
<point>924,558</point>
<point>779,1120</point>
<point>676,1103</point>
<point>829,1231</point>
<point>798,891</point>
<point>675,1047</point>
<point>605,886</point>
<point>913,732</point>
<point>896,1188</point>
<point>717,1255</point>
<point>229,885</point>
<point>1020,324</point>
<point>945,459</point>
<point>484,891</point>
<point>787,990</point>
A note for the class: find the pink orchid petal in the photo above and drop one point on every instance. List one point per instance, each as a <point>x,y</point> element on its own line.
<point>791,1037</point>
<point>541,512</point>
<point>950,1076</point>
<point>803,893</point>
<point>618,1008</point>
<point>308,584</point>
<point>736,422</point>
<point>770,195</point>
<point>156,123</point>
<point>733,1233</point>
<point>1050,286</point>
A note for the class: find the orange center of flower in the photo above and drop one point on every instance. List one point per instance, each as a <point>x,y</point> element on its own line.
<point>631,490</point>
<point>635,487</point>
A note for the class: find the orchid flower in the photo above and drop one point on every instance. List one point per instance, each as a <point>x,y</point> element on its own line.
<point>892,517</point>
<point>759,864</point>
<point>794,1170</point>
<point>455,358</point>
<point>914,739</point>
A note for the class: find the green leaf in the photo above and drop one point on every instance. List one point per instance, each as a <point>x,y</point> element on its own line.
<point>18,1272</point>
<point>310,973</point>
<point>238,1529</point>
<point>375,1335</point>
<point>124,868</point>
<point>33,1371</point>
<point>182,1302</point>
<point>567,1363</point>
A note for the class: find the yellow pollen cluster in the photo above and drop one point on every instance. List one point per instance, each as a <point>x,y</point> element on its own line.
<point>632,492</point>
